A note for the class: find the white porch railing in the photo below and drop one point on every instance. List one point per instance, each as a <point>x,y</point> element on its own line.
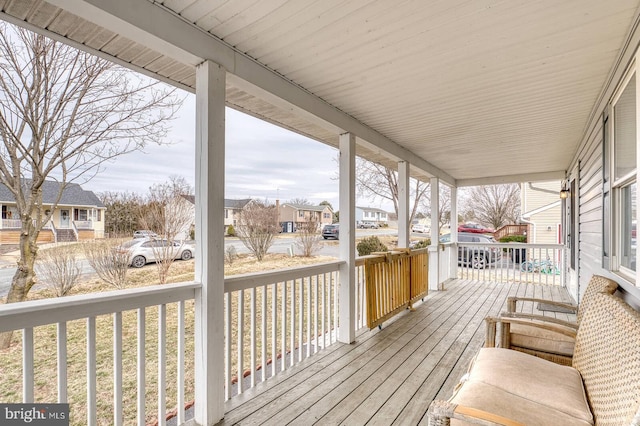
<point>527,263</point>
<point>83,224</point>
<point>274,320</point>
<point>11,224</point>
<point>47,325</point>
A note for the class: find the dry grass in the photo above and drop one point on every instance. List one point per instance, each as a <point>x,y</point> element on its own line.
<point>45,346</point>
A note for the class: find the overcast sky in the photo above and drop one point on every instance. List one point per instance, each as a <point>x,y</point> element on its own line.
<point>262,161</point>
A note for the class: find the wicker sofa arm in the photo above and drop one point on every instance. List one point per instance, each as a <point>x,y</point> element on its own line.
<point>511,303</point>
<point>541,318</point>
<point>441,412</point>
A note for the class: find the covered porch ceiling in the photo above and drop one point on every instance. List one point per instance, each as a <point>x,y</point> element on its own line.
<point>469,91</point>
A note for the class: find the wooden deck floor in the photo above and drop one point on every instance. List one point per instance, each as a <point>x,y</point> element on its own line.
<point>389,376</point>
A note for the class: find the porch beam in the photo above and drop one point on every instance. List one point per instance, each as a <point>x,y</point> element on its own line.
<point>527,177</point>
<point>404,224</point>
<point>162,30</point>
<point>209,206</point>
<point>434,253</point>
<point>347,189</point>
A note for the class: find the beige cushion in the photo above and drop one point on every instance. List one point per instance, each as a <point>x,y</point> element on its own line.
<point>524,410</point>
<point>550,385</point>
<point>539,339</point>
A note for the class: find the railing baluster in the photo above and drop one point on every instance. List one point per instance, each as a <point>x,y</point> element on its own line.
<point>141,367</point>
<point>301,321</point>
<point>329,327</point>
<point>62,362</point>
<point>336,291</point>
<point>316,308</point>
<point>309,317</point>
<point>263,370</point>
<point>162,361</point>
<point>27,365</point>
<point>324,302</point>
<point>92,411</point>
<point>293,323</point>
<point>274,328</point>
<point>284,327</point>
<point>240,332</point>
<point>180,361</point>
<point>117,369</point>
<point>227,342</point>
<point>253,337</point>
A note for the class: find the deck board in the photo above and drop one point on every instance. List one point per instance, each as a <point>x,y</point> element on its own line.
<point>388,376</point>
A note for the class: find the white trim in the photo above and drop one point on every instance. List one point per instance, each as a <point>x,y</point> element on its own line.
<point>542,209</point>
<point>528,177</point>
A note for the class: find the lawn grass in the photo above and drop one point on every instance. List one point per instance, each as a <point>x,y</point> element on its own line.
<point>45,346</point>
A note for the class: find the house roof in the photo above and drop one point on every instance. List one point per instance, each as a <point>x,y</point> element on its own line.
<point>228,202</point>
<point>307,207</point>
<point>236,204</point>
<point>371,209</point>
<point>72,195</point>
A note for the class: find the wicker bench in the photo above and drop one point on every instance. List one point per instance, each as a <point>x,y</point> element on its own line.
<point>602,387</point>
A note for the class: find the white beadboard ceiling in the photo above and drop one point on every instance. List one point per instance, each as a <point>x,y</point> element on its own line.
<point>471,89</point>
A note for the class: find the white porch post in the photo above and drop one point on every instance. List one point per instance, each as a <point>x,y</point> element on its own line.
<point>347,332</point>
<point>209,322</point>
<point>434,253</point>
<point>404,226</point>
<point>453,261</point>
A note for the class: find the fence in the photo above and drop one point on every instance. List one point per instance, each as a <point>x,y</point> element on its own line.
<point>394,280</point>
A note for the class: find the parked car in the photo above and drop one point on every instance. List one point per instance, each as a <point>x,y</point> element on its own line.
<point>475,228</point>
<point>331,231</point>
<point>418,227</point>
<point>369,225</point>
<point>144,233</point>
<point>143,250</point>
<point>478,256</point>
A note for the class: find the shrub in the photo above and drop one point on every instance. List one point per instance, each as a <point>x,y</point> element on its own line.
<point>231,231</point>
<point>230,255</point>
<point>514,239</point>
<point>422,244</point>
<point>370,244</point>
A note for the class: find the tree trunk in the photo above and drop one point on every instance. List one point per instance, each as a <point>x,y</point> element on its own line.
<point>24,277</point>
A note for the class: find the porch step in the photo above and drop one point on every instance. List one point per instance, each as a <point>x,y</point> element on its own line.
<point>66,235</point>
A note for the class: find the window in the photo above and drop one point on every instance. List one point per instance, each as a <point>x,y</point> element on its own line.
<point>80,214</point>
<point>326,215</point>
<point>98,215</point>
<point>300,213</point>
<point>620,182</point>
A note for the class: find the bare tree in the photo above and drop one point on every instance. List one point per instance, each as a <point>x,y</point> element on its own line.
<point>169,214</point>
<point>59,268</point>
<point>308,238</point>
<point>122,213</point>
<point>300,202</point>
<point>62,114</point>
<point>494,205</point>
<point>257,226</point>
<point>377,181</point>
<point>110,263</point>
<point>444,205</point>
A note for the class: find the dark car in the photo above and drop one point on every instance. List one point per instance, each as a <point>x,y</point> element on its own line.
<point>478,256</point>
<point>474,228</point>
<point>331,231</point>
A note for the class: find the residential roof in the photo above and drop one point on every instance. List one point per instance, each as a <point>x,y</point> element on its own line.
<point>236,204</point>
<point>308,207</point>
<point>371,209</point>
<point>72,195</point>
<point>228,203</point>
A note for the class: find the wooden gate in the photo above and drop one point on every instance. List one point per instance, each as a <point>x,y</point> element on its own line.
<point>394,281</point>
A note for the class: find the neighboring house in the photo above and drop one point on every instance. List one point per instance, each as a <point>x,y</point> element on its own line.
<point>371,214</point>
<point>542,210</point>
<point>79,215</point>
<point>297,214</point>
<point>232,209</point>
